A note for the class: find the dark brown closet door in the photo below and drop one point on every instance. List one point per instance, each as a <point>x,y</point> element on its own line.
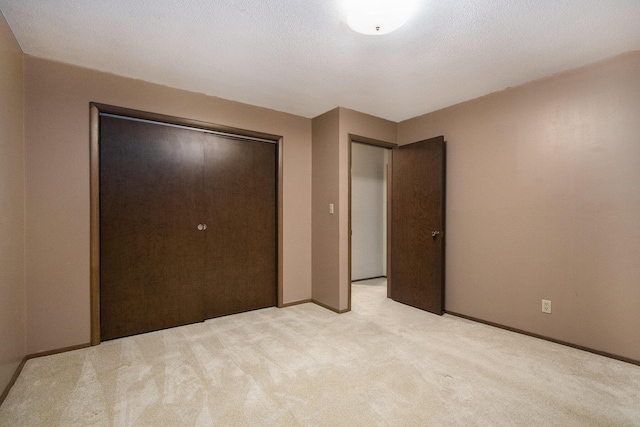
<point>151,251</point>
<point>417,224</point>
<point>240,211</point>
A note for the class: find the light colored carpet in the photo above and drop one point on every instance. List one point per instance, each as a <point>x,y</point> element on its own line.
<point>381,364</point>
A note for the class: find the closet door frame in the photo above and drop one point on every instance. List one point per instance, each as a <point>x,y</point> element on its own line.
<point>95,110</point>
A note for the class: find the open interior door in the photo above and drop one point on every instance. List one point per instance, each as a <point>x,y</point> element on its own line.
<point>417,225</point>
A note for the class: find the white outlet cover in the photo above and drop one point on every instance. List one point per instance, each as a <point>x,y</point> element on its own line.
<point>546,306</point>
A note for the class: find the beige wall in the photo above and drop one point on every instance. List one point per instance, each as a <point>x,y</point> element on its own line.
<point>331,185</point>
<point>12,292</point>
<point>543,201</point>
<point>325,226</point>
<point>57,186</point>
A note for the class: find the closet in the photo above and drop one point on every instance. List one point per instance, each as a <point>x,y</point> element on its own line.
<point>188,225</point>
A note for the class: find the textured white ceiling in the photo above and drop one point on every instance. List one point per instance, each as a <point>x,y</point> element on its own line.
<point>299,56</point>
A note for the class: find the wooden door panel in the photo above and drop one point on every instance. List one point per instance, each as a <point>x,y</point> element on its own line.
<point>417,209</point>
<point>150,204</point>
<point>240,211</point>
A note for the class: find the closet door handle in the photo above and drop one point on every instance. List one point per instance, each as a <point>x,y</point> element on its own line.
<point>204,226</point>
<point>201,227</point>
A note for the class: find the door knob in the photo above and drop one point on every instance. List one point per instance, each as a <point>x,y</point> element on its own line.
<point>434,234</point>
<point>202,227</point>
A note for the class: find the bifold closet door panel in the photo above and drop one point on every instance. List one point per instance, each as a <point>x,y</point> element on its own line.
<point>151,251</point>
<point>241,241</point>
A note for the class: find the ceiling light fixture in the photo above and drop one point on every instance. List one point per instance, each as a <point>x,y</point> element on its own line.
<point>377,17</point>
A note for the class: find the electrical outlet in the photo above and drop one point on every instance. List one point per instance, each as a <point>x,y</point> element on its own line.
<point>546,306</point>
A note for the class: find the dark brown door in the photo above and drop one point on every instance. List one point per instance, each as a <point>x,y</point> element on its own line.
<point>241,241</point>
<point>417,225</point>
<point>187,224</point>
<point>151,251</point>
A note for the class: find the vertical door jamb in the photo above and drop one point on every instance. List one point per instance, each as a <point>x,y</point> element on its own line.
<point>389,228</point>
<point>94,239</point>
<point>280,222</point>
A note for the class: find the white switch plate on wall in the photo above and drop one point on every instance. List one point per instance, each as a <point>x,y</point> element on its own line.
<point>331,208</point>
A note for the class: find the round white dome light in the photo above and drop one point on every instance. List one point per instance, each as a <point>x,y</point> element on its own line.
<point>377,17</point>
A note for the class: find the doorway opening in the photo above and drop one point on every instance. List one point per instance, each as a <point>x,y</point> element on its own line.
<point>369,213</point>
<point>415,214</point>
